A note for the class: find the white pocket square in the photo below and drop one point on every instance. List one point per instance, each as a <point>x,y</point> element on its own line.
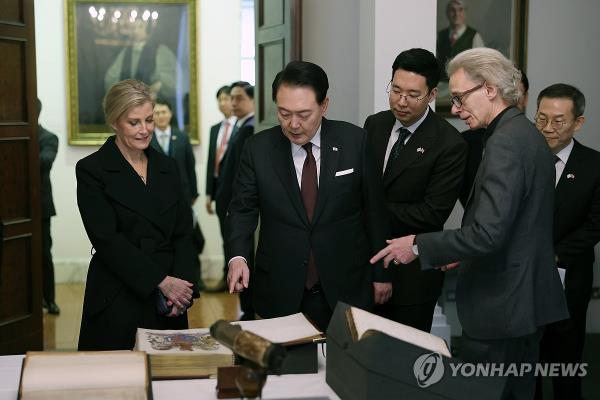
<point>344,172</point>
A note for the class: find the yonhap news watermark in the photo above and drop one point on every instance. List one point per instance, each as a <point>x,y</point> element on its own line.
<point>429,369</point>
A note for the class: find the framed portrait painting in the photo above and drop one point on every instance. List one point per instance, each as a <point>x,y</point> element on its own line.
<point>108,40</point>
<point>464,24</point>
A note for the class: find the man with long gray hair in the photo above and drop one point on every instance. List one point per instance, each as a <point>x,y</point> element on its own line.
<point>508,288</point>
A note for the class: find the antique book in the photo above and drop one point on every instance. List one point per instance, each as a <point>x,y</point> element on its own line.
<point>180,354</point>
<point>289,330</point>
<point>85,375</point>
<point>362,323</point>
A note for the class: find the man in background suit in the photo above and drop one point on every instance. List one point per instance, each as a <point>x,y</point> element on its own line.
<point>320,202</point>
<point>507,288</point>
<point>220,135</point>
<point>422,159</point>
<point>576,226</point>
<point>474,139</point>
<point>242,104</point>
<point>174,143</point>
<point>48,143</point>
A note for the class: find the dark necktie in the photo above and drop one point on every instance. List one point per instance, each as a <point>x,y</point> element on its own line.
<point>397,148</point>
<point>556,159</point>
<point>308,190</point>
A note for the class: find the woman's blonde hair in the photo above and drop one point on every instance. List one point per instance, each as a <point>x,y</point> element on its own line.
<point>124,95</point>
<point>489,65</point>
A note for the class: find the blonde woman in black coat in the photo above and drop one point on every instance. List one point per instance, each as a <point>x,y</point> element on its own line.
<point>132,206</point>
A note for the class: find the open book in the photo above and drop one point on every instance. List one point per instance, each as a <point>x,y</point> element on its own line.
<point>363,323</point>
<point>84,375</point>
<point>186,353</point>
<point>289,330</point>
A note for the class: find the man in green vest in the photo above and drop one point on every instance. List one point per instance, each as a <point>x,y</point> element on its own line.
<point>458,36</point>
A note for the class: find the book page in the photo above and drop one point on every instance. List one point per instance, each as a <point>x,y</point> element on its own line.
<point>365,321</point>
<point>84,371</point>
<point>283,330</point>
<point>182,342</point>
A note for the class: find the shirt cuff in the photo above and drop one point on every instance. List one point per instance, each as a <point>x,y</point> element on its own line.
<point>236,257</point>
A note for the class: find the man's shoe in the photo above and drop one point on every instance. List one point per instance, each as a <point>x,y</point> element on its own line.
<point>53,308</point>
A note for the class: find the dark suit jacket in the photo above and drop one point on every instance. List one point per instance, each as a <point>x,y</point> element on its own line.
<point>180,149</point>
<point>474,139</point>
<point>48,142</point>
<point>577,222</point>
<point>348,225</point>
<point>507,284</point>
<point>140,234</point>
<point>210,164</point>
<point>230,164</point>
<point>420,191</point>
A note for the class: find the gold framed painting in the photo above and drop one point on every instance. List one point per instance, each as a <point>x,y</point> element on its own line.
<point>463,24</point>
<point>111,40</point>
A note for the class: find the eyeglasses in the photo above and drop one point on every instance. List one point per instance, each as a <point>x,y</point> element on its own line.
<point>457,100</point>
<point>410,98</point>
<point>542,122</point>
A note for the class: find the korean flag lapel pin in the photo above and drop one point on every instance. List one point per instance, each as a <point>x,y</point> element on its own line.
<point>421,150</point>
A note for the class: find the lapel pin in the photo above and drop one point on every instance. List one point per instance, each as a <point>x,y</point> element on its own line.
<point>570,176</point>
<point>173,137</point>
<point>421,150</point>
<point>334,148</point>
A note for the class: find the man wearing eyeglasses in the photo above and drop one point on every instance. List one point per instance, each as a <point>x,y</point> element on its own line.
<point>421,158</point>
<point>576,226</point>
<point>507,287</point>
<point>474,139</point>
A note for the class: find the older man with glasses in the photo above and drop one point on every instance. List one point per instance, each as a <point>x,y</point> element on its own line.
<point>576,227</point>
<point>508,288</point>
<point>421,158</point>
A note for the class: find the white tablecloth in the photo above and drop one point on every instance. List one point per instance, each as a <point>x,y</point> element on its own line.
<point>277,387</point>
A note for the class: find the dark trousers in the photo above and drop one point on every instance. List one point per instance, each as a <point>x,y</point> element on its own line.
<point>419,316</point>
<point>563,342</point>
<point>523,349</point>
<point>314,305</point>
<point>47,264</point>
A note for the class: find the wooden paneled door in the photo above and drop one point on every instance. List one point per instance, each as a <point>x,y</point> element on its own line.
<point>20,214</point>
<point>278,34</point>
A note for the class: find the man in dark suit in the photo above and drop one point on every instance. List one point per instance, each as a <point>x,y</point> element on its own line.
<point>220,134</point>
<point>48,143</point>
<point>576,226</point>
<point>242,104</point>
<point>174,143</point>
<point>507,288</point>
<point>415,149</point>
<point>320,203</point>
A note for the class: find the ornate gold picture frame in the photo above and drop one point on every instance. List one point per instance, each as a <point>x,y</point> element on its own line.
<point>110,40</point>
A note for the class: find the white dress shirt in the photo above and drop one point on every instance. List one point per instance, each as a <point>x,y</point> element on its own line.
<point>564,157</point>
<point>299,155</point>
<point>395,134</point>
<point>163,138</point>
<point>231,120</point>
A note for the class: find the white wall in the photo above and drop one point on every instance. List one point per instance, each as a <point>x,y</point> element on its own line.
<point>218,64</point>
<point>356,42</point>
